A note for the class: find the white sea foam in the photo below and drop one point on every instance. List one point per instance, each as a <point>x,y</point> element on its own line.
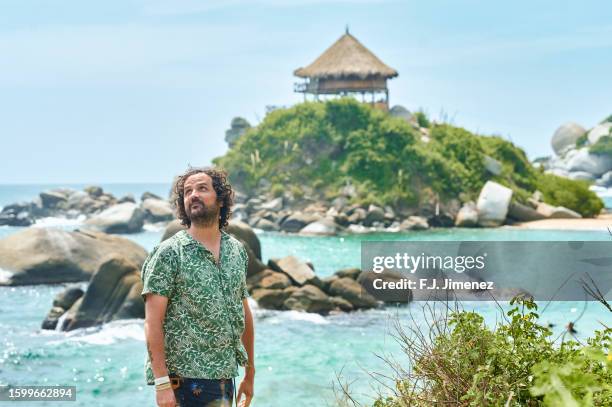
<point>280,317</point>
<point>59,221</point>
<point>60,322</point>
<point>155,227</point>
<point>106,334</point>
<point>5,276</point>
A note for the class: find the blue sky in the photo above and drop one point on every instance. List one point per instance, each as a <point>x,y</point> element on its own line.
<point>135,90</point>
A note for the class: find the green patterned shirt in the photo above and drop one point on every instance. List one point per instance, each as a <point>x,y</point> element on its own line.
<point>204,318</point>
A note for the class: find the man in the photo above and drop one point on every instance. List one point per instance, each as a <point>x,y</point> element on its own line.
<point>198,324</point>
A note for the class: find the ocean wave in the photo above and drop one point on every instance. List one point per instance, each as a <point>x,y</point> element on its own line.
<point>5,276</point>
<point>52,221</point>
<point>155,227</point>
<point>275,317</point>
<point>107,334</point>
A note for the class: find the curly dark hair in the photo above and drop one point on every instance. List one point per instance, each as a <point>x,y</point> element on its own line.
<point>222,187</point>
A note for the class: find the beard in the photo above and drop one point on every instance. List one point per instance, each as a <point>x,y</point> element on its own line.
<point>203,215</point>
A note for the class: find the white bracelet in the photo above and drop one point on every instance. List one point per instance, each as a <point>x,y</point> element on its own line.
<point>162,380</point>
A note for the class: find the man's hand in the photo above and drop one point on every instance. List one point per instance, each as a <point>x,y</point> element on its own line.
<point>246,389</point>
<point>165,398</point>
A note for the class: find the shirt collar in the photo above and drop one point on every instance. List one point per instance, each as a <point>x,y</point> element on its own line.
<point>187,240</point>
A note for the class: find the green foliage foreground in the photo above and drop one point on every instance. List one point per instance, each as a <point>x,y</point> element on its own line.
<point>317,148</point>
<point>515,364</point>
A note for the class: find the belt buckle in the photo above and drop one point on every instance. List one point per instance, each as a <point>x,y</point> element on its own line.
<point>175,381</point>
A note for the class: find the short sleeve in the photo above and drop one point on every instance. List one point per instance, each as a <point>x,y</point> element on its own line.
<point>245,260</point>
<point>158,272</point>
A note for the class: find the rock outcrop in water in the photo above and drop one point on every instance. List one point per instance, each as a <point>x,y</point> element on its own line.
<point>101,211</point>
<point>50,256</point>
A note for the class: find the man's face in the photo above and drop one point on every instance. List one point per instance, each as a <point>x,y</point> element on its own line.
<point>200,199</point>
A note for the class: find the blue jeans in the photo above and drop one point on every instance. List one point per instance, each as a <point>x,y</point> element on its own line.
<point>203,392</point>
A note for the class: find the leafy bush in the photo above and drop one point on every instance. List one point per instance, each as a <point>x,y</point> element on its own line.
<point>603,146</point>
<point>422,119</point>
<point>574,195</point>
<point>582,140</point>
<point>515,364</point>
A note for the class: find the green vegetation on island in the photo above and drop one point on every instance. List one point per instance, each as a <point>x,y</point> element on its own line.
<point>318,148</point>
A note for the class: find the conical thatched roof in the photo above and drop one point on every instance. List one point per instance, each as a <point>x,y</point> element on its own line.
<point>346,57</point>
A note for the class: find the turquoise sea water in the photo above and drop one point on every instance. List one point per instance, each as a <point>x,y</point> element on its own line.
<point>297,355</point>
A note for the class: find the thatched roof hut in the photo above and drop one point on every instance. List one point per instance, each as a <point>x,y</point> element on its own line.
<point>347,67</point>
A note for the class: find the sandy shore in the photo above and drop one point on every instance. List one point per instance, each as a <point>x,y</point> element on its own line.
<point>601,223</point>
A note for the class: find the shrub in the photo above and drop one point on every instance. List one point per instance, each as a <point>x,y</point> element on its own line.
<point>603,146</point>
<point>574,195</point>
<point>277,190</point>
<point>515,364</point>
<point>422,119</point>
<point>582,140</point>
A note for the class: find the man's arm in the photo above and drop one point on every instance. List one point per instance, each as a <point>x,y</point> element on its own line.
<point>155,311</point>
<point>248,337</point>
<point>248,340</point>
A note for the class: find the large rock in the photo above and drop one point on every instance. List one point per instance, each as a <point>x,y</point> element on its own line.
<point>157,210</point>
<point>83,202</point>
<point>566,136</point>
<point>61,303</point>
<point>267,225</point>
<point>238,127</point>
<point>605,180</point>
<point>273,280</point>
<point>597,132</point>
<point>149,195</point>
<point>582,160</point>
<point>523,213</point>
<point>52,199</point>
<point>353,292</point>
<point>374,214</point>
<point>68,297</point>
<point>401,112</point>
<point>493,203</point>
<point>274,205</point>
<point>323,227</point>
<point>367,281</point>
<point>17,214</point>
<point>299,272</point>
<point>114,292</point>
<point>270,298</point>
<point>297,220</point>
<point>246,235</point>
<point>492,165</point>
<point>49,256</point>
<point>556,212</point>
<point>350,273</point>
<point>310,299</point>
<point>126,217</point>
<point>240,231</point>
<point>414,223</point>
<point>467,216</point>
